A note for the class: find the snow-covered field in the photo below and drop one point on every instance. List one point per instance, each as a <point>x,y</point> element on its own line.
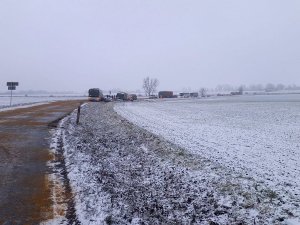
<point>22,100</point>
<point>210,162</point>
<point>255,136</point>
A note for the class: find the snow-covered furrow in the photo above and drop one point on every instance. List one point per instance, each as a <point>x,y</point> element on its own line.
<point>259,139</point>
<point>123,174</point>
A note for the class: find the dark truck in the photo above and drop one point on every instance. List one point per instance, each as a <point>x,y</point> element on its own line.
<point>126,97</point>
<point>194,94</point>
<point>132,97</point>
<point>95,95</point>
<point>122,96</point>
<point>165,94</point>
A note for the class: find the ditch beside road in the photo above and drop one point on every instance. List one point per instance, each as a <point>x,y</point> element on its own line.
<point>25,190</point>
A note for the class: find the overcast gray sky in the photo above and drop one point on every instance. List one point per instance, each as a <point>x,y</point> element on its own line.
<point>74,45</point>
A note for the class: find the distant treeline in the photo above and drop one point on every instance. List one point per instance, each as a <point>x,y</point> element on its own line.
<point>258,87</point>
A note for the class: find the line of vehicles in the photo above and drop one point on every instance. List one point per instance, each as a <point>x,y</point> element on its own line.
<point>169,94</point>
<point>96,95</point>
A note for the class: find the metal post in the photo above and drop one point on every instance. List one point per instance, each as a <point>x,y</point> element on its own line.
<point>78,115</point>
<point>10,96</point>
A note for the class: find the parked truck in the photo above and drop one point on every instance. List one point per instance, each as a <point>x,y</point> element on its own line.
<point>122,96</point>
<point>132,97</point>
<point>95,95</point>
<point>165,94</point>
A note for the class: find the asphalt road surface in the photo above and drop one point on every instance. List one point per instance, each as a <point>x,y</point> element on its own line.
<point>24,153</point>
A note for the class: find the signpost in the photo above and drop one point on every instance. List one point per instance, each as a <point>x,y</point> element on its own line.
<point>12,86</point>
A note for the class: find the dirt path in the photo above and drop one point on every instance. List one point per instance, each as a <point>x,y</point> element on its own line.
<point>24,152</point>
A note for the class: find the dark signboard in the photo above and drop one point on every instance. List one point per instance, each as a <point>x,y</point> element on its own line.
<point>11,88</point>
<point>10,84</point>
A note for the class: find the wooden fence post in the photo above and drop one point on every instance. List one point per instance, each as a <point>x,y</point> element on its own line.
<point>78,114</point>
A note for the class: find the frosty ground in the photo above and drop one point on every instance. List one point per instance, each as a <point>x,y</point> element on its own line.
<point>121,173</point>
<point>29,100</point>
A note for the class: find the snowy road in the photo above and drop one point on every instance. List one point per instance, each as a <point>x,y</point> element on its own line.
<point>257,136</point>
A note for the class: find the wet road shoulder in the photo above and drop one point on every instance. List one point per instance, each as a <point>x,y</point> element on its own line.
<point>25,190</point>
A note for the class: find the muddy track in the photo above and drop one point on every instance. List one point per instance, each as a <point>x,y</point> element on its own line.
<point>25,188</point>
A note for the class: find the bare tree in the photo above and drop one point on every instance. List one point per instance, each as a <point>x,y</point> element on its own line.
<point>150,85</point>
<point>203,92</point>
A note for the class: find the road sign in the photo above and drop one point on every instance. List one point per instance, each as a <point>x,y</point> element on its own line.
<point>10,84</point>
<point>10,88</point>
